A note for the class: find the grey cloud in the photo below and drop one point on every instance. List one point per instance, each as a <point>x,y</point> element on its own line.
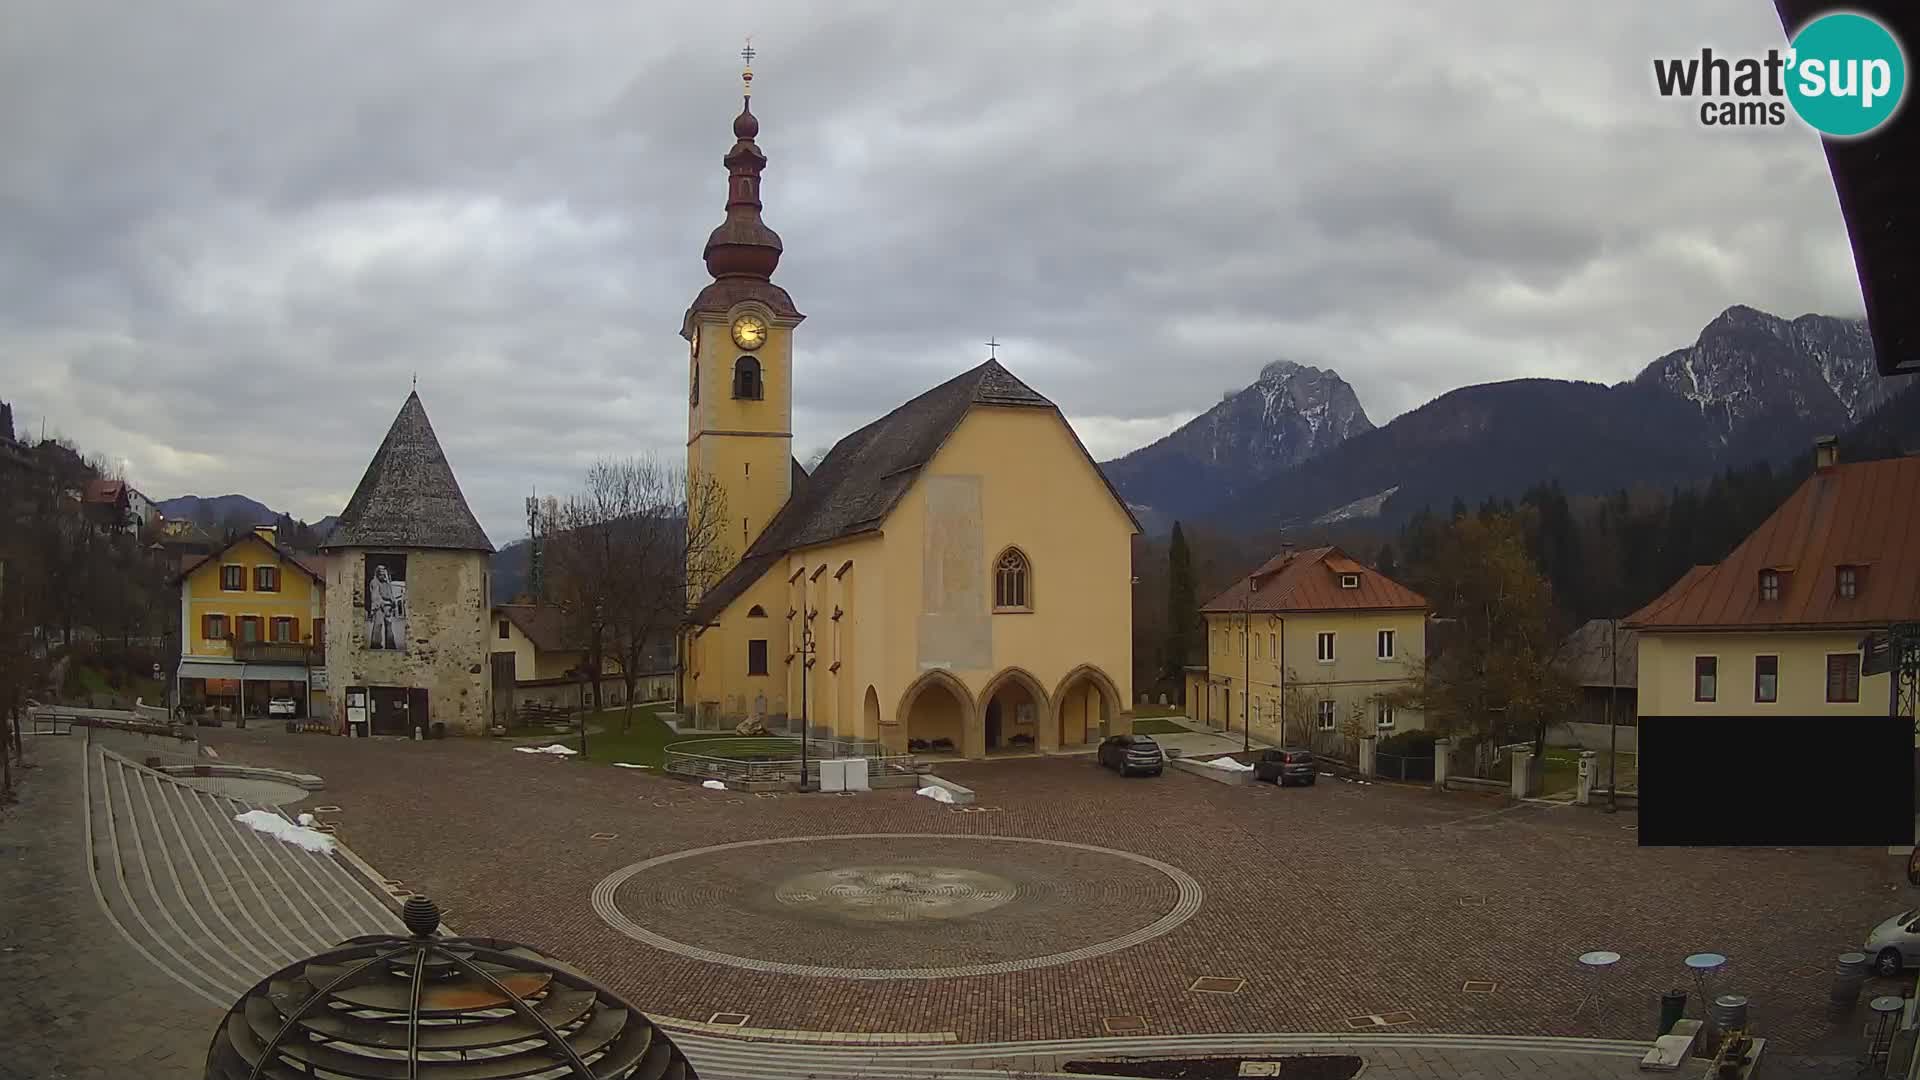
<point>235,232</point>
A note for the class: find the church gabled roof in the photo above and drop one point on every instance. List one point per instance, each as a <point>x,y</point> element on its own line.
<point>408,497</point>
<point>865,474</point>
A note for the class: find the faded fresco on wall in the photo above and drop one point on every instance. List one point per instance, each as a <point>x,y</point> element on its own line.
<point>955,629</point>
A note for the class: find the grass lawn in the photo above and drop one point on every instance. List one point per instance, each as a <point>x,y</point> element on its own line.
<point>93,685</point>
<point>648,739</point>
<point>1157,710</point>
<point>1156,726</point>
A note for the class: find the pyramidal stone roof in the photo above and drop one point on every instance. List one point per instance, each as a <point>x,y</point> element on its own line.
<point>409,498</point>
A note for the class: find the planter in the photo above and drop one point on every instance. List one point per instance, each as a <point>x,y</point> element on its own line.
<point>498,729</point>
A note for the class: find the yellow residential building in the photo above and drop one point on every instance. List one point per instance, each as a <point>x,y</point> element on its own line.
<point>253,628</point>
<point>1778,626</point>
<point>1314,642</point>
<point>954,577</point>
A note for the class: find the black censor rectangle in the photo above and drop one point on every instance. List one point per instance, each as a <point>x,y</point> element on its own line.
<point>1776,781</point>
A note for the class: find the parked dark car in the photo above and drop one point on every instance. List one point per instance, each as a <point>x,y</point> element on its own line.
<point>1129,754</point>
<point>1289,766</point>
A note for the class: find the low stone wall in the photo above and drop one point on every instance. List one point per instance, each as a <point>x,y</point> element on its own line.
<point>1232,777</point>
<point>1593,736</point>
<point>1470,783</point>
<point>244,772</point>
<point>962,796</point>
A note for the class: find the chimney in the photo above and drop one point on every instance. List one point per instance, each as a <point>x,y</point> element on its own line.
<point>267,533</point>
<point>1826,453</point>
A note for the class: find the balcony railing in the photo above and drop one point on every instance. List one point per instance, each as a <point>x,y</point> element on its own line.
<point>277,652</point>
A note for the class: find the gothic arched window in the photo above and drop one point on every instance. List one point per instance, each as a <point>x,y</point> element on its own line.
<point>746,378</point>
<point>1012,582</point>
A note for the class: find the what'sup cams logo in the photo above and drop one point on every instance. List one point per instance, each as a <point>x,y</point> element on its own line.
<point>1843,74</point>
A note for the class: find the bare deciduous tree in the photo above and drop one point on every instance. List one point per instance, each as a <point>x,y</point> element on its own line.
<point>627,557</point>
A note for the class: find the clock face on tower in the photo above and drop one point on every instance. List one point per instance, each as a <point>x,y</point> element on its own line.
<point>749,332</point>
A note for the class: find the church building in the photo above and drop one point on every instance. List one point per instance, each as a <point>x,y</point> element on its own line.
<point>953,578</point>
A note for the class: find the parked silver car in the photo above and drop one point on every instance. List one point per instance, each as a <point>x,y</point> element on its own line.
<point>1895,944</point>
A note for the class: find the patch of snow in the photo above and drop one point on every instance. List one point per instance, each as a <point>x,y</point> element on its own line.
<point>552,748</point>
<point>936,793</point>
<point>1366,507</point>
<point>628,765</point>
<point>305,820</point>
<point>713,785</point>
<point>1225,763</point>
<point>280,828</point>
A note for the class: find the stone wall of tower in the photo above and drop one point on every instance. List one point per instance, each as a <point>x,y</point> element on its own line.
<point>446,652</point>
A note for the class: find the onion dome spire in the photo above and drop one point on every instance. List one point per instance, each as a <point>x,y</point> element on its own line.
<point>743,246</point>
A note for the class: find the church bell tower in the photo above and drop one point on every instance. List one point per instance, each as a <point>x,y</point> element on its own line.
<point>739,333</point>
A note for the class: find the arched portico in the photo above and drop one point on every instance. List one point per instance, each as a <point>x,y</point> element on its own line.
<point>935,712</point>
<point>1015,714</point>
<point>1086,706</point>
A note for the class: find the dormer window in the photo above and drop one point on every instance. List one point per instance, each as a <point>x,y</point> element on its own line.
<point>1846,582</point>
<point>1349,581</point>
<point>746,379</point>
<point>1769,586</point>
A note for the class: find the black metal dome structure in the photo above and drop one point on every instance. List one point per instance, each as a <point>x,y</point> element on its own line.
<point>425,1007</point>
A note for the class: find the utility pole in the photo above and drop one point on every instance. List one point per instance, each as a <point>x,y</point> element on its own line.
<point>1613,729</point>
<point>1246,667</point>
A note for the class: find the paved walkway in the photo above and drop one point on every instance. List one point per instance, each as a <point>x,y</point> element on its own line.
<point>138,910</point>
<point>111,966</point>
<point>76,1000</point>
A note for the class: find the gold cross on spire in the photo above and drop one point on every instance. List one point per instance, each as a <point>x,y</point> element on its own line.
<point>746,74</point>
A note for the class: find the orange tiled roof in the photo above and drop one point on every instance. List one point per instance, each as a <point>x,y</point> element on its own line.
<point>1857,515</point>
<point>1310,581</point>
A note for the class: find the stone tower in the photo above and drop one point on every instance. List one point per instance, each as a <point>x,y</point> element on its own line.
<point>739,332</point>
<point>408,591</point>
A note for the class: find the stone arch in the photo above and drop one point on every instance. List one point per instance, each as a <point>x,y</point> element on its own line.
<point>932,717</point>
<point>870,714</point>
<point>997,731</point>
<point>1086,706</point>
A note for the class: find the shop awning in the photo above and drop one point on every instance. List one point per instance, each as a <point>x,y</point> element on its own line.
<point>205,669</point>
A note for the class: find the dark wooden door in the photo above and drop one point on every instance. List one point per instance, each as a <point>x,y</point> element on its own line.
<point>387,706</point>
<point>417,713</point>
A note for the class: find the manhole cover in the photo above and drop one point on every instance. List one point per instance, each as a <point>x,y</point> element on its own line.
<point>1215,984</point>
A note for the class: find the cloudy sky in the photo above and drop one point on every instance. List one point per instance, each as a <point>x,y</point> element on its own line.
<point>231,234</point>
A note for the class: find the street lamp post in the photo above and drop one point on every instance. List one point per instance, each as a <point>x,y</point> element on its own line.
<point>806,661</point>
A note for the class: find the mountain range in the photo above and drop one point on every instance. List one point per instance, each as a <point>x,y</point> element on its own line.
<point>216,513</point>
<point>1294,449</point>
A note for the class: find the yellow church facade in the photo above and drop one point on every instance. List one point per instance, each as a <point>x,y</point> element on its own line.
<point>953,578</point>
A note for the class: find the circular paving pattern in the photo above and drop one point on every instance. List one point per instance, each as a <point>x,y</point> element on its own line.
<point>896,905</point>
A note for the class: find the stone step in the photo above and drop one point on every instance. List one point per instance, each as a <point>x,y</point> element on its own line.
<point>216,903</point>
<point>127,887</point>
